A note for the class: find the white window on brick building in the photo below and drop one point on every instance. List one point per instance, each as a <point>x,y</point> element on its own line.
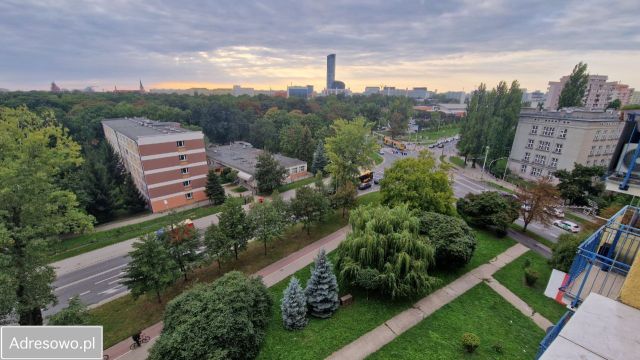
<point>180,143</point>
<point>184,170</point>
<point>188,195</point>
<point>186,183</point>
<point>182,157</point>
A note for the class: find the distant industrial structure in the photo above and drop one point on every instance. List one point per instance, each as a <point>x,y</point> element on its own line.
<point>168,163</point>
<point>598,94</point>
<point>140,90</point>
<point>303,92</point>
<point>242,157</point>
<point>547,141</point>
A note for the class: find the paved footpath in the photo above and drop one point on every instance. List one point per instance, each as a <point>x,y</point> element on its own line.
<point>392,328</point>
<point>271,275</point>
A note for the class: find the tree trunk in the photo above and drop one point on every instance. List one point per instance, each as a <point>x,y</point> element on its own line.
<point>31,317</point>
<point>343,210</point>
<point>265,247</point>
<point>524,228</point>
<point>158,296</point>
<point>219,265</point>
<point>235,249</point>
<point>308,229</point>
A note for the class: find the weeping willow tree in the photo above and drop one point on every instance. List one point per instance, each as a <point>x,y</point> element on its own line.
<point>386,253</point>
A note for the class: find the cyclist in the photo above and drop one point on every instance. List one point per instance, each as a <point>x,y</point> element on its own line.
<point>136,338</point>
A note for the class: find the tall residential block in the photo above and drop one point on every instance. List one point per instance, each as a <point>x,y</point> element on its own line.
<point>331,70</point>
<point>597,95</point>
<point>168,163</point>
<point>547,141</point>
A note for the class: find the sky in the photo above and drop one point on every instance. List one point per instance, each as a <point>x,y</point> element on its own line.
<point>443,45</point>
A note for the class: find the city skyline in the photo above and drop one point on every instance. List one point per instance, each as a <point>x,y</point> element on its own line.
<point>451,46</point>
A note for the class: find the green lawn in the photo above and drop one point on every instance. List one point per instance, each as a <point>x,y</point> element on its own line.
<point>458,161</point>
<point>377,158</point>
<point>438,133</point>
<point>480,311</point>
<point>296,184</point>
<point>322,337</point>
<point>239,189</point>
<point>512,277</point>
<point>86,242</point>
<point>499,187</point>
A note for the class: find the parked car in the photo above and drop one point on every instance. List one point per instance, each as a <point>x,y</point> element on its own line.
<point>567,225</point>
<point>526,207</point>
<point>381,152</point>
<point>377,180</point>
<point>555,211</point>
<point>440,145</point>
<point>364,186</point>
<point>432,146</point>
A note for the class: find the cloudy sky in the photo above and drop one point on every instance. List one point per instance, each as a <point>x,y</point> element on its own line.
<point>444,45</point>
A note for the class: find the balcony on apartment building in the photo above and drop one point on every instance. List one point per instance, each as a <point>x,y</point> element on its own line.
<point>598,277</point>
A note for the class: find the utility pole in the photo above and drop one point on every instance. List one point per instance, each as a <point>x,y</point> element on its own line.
<point>486,153</point>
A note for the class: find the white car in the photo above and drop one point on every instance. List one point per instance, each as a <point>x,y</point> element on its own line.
<point>567,225</point>
<point>555,211</point>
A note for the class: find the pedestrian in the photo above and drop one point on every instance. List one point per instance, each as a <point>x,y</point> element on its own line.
<point>136,338</point>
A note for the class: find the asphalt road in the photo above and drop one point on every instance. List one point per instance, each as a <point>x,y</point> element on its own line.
<point>97,277</point>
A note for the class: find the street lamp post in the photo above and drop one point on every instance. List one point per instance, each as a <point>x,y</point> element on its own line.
<point>486,153</point>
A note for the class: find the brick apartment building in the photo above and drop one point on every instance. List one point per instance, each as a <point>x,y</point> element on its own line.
<point>168,163</point>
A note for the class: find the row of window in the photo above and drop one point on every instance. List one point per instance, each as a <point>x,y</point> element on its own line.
<point>549,131</point>
<point>602,135</point>
<point>608,150</point>
<point>540,159</point>
<point>545,146</point>
<point>603,162</point>
<point>535,171</point>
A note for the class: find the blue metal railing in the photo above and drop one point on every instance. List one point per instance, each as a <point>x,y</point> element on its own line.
<point>552,334</point>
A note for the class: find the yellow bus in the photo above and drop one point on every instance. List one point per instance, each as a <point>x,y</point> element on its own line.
<point>394,143</point>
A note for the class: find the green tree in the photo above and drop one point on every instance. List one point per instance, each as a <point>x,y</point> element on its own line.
<point>398,115</point>
<point>564,251</point>
<point>388,241</point>
<point>151,268</point>
<point>224,320</point>
<point>234,225</point>
<point>219,246</point>
<point>345,197</point>
<point>322,288</point>
<point>581,184</point>
<point>310,206</point>
<point>294,306</point>
<point>74,314</point>
<point>419,183</point>
<point>268,222</point>
<point>34,210</point>
<point>453,239</point>
<point>350,149</point>
<point>183,243</point>
<point>573,91</point>
<point>296,141</point>
<point>213,190</point>
<point>269,173</point>
<point>489,209</point>
<point>132,199</point>
<point>615,104</point>
<point>319,159</point>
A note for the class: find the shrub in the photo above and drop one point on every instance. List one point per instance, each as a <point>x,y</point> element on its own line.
<point>74,314</point>
<point>498,348</point>
<point>470,342</point>
<point>294,306</point>
<point>453,239</point>
<point>223,320</point>
<point>489,209</point>
<point>530,276</point>
<point>527,263</point>
<point>322,288</point>
<point>564,251</point>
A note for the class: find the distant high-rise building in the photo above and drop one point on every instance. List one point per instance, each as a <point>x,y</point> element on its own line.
<point>331,70</point>
<point>635,98</point>
<point>370,90</point>
<point>239,90</point>
<point>304,92</point>
<point>597,95</point>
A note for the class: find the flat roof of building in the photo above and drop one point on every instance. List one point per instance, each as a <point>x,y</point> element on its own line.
<point>572,114</point>
<point>138,127</point>
<point>243,156</point>
<point>601,328</point>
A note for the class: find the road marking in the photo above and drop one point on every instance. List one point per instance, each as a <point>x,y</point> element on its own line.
<point>109,278</point>
<point>85,293</point>
<point>89,277</point>
<point>113,282</point>
<point>111,290</point>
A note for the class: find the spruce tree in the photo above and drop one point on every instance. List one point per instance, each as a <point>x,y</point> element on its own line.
<point>214,190</point>
<point>319,159</point>
<point>294,306</point>
<point>322,288</point>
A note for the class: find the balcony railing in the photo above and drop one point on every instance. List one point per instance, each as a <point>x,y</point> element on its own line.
<point>552,334</point>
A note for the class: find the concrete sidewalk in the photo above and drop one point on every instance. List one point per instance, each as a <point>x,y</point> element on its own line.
<point>518,303</point>
<point>392,328</point>
<point>271,275</point>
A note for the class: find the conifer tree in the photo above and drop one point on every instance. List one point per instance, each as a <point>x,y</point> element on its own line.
<point>294,306</point>
<point>319,159</point>
<point>214,190</point>
<point>322,288</point>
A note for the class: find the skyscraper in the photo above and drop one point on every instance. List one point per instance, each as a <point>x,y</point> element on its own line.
<point>331,70</point>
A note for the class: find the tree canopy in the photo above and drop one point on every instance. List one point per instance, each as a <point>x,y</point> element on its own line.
<point>581,184</point>
<point>269,173</point>
<point>573,91</point>
<point>386,244</point>
<point>350,150</point>
<point>34,208</point>
<point>223,320</point>
<point>419,183</point>
<point>454,241</point>
<point>489,209</point>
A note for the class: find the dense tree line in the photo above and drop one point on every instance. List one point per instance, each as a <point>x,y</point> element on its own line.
<point>293,127</point>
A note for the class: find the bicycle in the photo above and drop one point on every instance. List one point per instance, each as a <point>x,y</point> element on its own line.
<point>143,339</point>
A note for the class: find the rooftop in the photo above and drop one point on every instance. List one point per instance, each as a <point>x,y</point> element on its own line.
<point>571,114</point>
<point>601,328</point>
<point>138,127</point>
<point>243,156</point>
